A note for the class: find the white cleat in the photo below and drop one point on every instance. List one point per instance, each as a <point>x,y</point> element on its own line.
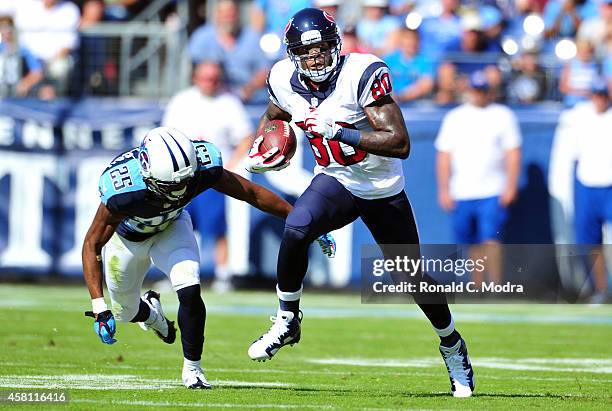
<point>163,327</point>
<point>285,330</point>
<point>194,378</point>
<point>459,368</point>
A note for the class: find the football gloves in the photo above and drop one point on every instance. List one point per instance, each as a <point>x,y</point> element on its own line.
<point>104,326</point>
<point>257,162</point>
<point>322,127</point>
<point>327,244</point>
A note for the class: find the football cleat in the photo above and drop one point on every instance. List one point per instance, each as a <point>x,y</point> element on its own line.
<point>459,369</point>
<point>285,330</point>
<point>162,327</point>
<point>193,378</point>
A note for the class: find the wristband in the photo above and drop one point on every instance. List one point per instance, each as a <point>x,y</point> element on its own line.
<point>350,136</point>
<point>98,305</point>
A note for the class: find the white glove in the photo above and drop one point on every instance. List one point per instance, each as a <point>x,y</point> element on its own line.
<point>256,162</point>
<point>321,127</point>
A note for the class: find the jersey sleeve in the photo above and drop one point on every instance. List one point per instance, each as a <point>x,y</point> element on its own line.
<point>121,185</point>
<point>374,83</point>
<point>278,83</point>
<point>271,93</point>
<point>210,164</point>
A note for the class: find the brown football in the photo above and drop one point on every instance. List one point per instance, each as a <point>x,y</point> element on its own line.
<point>278,133</point>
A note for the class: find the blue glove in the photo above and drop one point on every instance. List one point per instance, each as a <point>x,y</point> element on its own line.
<point>327,244</point>
<point>104,326</point>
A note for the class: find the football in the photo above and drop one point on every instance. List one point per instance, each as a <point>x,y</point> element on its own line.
<point>278,133</point>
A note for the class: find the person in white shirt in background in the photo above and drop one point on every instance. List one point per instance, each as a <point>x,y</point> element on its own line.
<point>206,111</point>
<point>49,28</point>
<point>592,150</point>
<point>478,165</point>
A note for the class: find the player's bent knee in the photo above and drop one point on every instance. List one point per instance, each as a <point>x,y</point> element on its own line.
<point>184,274</point>
<point>298,226</point>
<point>125,311</point>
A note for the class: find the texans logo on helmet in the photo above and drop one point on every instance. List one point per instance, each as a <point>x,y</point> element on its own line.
<point>329,17</point>
<point>288,25</point>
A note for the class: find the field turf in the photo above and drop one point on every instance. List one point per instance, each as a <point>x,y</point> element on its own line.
<point>352,356</point>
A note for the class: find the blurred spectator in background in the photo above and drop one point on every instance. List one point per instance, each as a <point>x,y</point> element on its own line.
<point>92,55</point>
<point>492,27</point>
<point>20,71</point>
<point>401,8</point>
<point>332,7</point>
<point>206,111</point>
<point>412,73</point>
<point>528,82</point>
<point>377,29</point>
<point>460,63</point>
<point>478,165</point>
<point>48,28</point>
<point>562,18</point>
<point>351,43</point>
<point>515,25</point>
<point>271,16</point>
<point>443,32</point>
<point>236,48</point>
<point>598,29</point>
<point>593,187</point>
<point>578,75</point>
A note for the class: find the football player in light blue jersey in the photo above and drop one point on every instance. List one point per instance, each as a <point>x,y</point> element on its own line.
<point>141,220</point>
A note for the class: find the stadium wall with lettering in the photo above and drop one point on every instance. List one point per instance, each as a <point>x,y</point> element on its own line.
<point>51,155</point>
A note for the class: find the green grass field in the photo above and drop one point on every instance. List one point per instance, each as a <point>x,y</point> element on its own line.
<point>352,356</point>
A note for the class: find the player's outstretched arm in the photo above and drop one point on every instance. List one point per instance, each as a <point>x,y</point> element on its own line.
<point>102,228</point>
<point>240,188</point>
<point>389,137</point>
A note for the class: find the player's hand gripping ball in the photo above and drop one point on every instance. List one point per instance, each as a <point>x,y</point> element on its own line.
<point>273,148</point>
<point>320,127</point>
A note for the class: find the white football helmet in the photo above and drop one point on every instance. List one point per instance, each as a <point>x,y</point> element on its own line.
<point>167,161</point>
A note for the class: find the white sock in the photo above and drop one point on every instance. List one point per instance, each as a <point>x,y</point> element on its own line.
<point>191,364</point>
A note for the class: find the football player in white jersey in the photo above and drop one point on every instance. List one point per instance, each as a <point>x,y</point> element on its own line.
<point>359,138</point>
<point>141,220</point>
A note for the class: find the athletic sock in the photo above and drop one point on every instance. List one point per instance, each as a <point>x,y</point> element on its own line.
<point>451,340</point>
<point>189,364</point>
<point>289,301</point>
<point>144,313</point>
<point>448,335</point>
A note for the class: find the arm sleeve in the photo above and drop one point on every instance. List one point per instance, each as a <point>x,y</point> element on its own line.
<point>511,137</point>
<point>375,83</point>
<point>444,140</point>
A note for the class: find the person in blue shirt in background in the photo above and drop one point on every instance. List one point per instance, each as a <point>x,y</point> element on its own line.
<point>20,71</point>
<point>411,71</point>
<point>236,48</point>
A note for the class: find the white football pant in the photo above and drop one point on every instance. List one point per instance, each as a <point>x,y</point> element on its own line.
<point>174,251</point>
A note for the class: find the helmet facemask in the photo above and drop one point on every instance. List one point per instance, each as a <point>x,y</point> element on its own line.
<point>170,190</point>
<point>305,62</point>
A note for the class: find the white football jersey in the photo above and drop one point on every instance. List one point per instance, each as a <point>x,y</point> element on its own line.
<point>360,80</point>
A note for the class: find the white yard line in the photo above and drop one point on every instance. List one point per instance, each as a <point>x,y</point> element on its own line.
<point>115,382</point>
<point>588,365</point>
<point>199,404</point>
